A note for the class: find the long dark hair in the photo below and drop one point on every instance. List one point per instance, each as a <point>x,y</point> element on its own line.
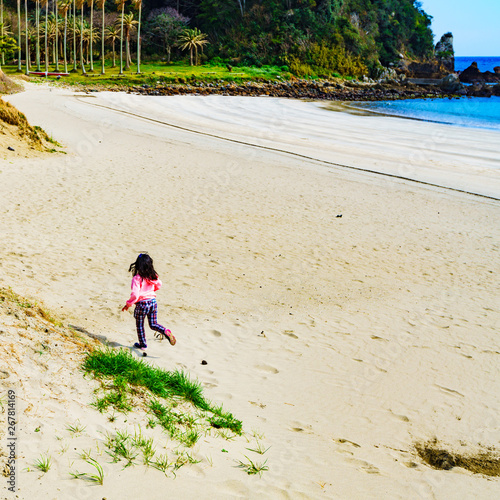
<point>143,266</point>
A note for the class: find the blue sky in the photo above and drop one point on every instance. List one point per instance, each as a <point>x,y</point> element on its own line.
<point>475,24</point>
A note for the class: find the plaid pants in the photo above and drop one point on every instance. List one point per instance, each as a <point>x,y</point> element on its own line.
<point>147,308</point>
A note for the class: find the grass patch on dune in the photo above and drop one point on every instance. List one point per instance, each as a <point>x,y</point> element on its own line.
<point>34,136</point>
<point>7,85</point>
<point>30,308</point>
<point>175,401</point>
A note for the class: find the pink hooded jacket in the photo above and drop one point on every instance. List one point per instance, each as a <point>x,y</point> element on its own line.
<point>143,289</point>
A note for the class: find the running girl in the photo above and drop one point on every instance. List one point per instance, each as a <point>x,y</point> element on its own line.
<point>145,283</point>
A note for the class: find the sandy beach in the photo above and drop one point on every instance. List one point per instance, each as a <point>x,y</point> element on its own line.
<point>333,270</point>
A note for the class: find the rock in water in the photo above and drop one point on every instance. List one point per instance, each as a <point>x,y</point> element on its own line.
<point>470,74</point>
<point>450,83</point>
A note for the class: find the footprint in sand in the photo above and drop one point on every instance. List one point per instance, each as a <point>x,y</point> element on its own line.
<point>209,385</point>
<point>267,368</point>
<point>446,390</point>
<point>347,442</point>
<point>297,426</point>
<point>403,418</point>
<point>363,465</point>
<point>216,333</point>
<point>290,333</point>
<point>225,396</point>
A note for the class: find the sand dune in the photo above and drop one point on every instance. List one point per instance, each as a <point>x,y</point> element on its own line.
<point>342,340</point>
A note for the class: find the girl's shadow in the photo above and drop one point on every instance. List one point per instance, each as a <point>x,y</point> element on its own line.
<point>105,342</point>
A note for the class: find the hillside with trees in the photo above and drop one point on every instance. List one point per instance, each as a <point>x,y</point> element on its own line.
<point>345,37</point>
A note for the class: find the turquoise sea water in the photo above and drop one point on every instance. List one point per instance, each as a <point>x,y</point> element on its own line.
<point>477,112</point>
<point>483,63</point>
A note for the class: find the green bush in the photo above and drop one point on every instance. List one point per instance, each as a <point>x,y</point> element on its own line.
<point>324,60</point>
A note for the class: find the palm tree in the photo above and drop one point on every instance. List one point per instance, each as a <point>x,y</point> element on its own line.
<point>64,6</point>
<point>7,43</point>
<point>37,20</point>
<point>138,5</point>
<point>192,39</point>
<point>87,37</point>
<point>74,35</point>
<point>80,5</point>
<point>100,5</point>
<point>44,3</point>
<point>56,42</point>
<point>51,32</point>
<point>112,34</point>
<point>90,3</point>
<point>1,22</point>
<point>128,22</point>
<point>19,67</point>
<point>121,4</point>
<point>27,37</point>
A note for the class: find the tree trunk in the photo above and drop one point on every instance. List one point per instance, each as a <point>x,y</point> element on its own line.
<point>127,52</point>
<point>37,20</point>
<point>1,21</point>
<point>102,43</point>
<point>121,41</point>
<point>74,36</point>
<point>82,62</point>
<point>56,44</point>
<point>91,35</point>
<point>139,42</point>
<point>27,48</point>
<point>46,37</point>
<point>19,55</point>
<point>65,40</point>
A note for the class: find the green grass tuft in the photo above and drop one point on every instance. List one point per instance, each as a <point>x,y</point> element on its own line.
<point>127,372</point>
<point>252,468</point>
<point>43,463</point>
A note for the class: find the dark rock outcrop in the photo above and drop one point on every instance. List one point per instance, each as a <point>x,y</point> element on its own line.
<point>445,53</point>
<point>440,66</point>
<point>480,90</point>
<point>450,83</point>
<point>302,89</point>
<point>472,74</point>
<point>428,70</point>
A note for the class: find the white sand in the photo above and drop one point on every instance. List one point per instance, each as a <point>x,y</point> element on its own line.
<point>380,327</point>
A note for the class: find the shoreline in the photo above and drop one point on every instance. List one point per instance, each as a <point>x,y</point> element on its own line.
<point>344,316</point>
<point>297,89</point>
<point>371,111</point>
